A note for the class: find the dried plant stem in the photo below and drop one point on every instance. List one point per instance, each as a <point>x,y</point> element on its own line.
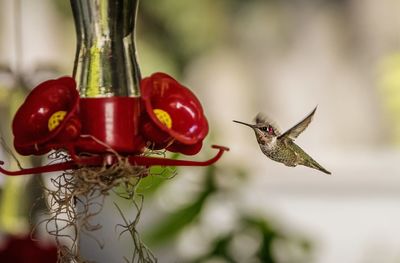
<point>76,197</point>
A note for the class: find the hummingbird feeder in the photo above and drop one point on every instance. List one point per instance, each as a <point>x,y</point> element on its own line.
<point>106,107</point>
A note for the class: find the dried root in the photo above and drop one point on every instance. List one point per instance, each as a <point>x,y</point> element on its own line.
<point>75,197</point>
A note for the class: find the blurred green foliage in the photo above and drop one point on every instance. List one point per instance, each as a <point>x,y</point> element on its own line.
<point>389,83</point>
<point>169,227</point>
<point>18,194</point>
<point>158,176</point>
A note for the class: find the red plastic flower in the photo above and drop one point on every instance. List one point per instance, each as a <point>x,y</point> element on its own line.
<point>47,117</point>
<point>22,249</point>
<point>175,117</point>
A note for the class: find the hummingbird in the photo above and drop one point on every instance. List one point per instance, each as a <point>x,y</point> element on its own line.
<point>279,146</point>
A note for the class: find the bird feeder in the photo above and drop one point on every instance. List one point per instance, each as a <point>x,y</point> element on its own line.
<point>106,106</point>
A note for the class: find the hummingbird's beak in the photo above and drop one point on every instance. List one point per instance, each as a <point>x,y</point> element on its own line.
<point>250,125</point>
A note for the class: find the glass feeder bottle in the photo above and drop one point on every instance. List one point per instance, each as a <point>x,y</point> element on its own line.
<point>105,63</point>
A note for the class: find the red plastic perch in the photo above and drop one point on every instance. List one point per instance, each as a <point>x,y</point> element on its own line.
<point>100,160</point>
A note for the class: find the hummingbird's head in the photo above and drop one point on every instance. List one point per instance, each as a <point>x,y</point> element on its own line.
<point>265,132</point>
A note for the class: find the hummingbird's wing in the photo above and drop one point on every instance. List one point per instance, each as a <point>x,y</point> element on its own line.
<point>295,131</point>
<point>261,118</point>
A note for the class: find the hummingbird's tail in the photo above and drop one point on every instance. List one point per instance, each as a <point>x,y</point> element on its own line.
<point>313,164</point>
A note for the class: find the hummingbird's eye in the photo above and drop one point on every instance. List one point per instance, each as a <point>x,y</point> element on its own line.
<point>268,129</point>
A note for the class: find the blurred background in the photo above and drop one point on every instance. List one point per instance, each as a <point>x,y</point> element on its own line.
<point>280,57</point>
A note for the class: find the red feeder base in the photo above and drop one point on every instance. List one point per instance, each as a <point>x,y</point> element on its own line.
<point>110,123</point>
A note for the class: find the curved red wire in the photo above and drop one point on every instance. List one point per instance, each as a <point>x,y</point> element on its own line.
<point>100,160</point>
